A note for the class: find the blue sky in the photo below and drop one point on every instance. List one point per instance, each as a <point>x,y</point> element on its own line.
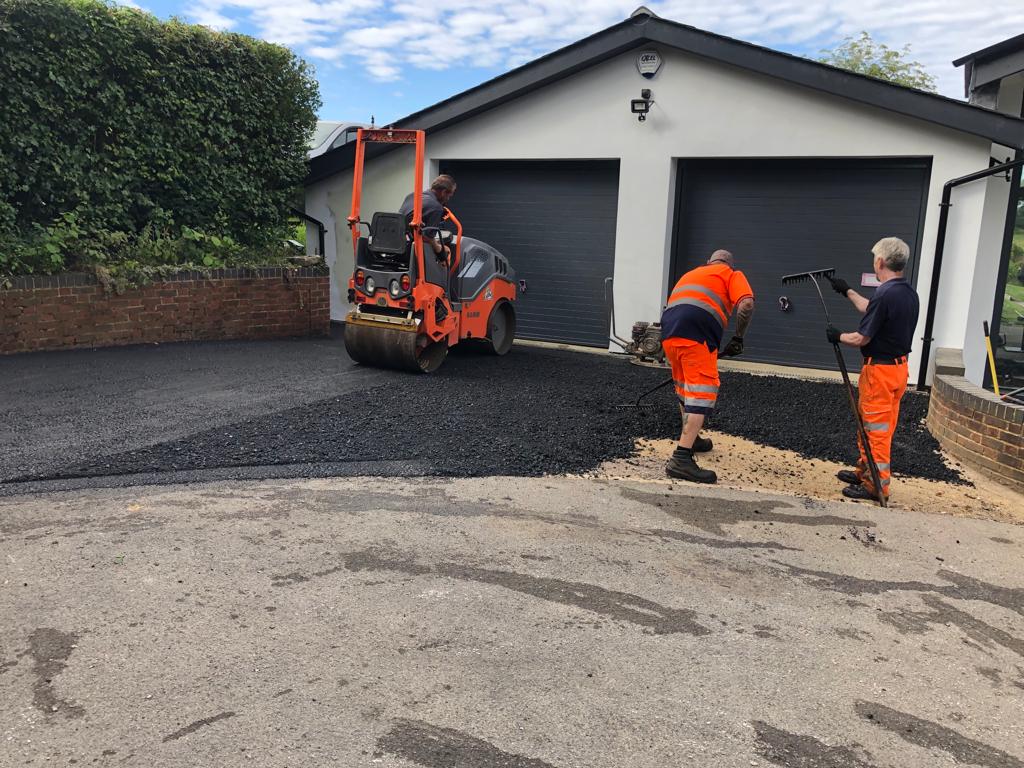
<point>388,59</point>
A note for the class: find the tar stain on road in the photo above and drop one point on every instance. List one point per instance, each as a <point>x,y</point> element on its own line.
<point>655,618</point>
<point>943,614</point>
<point>434,747</point>
<point>712,515</point>
<point>50,650</point>
<point>195,726</point>
<point>689,538</point>
<point>792,750</point>
<point>929,735</point>
<point>962,587</point>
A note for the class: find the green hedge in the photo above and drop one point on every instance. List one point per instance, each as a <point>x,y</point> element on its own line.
<point>116,127</point>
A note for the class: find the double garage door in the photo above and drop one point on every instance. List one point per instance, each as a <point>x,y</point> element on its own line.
<point>556,221</point>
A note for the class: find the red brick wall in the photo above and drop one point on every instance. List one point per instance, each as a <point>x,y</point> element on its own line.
<point>980,430</point>
<point>67,311</point>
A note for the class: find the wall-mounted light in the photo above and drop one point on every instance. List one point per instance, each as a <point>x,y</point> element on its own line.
<point>640,107</point>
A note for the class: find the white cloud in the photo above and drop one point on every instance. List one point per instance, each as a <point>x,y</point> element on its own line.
<point>387,39</point>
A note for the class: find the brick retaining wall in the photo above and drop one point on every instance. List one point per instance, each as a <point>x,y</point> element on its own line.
<point>972,424</point>
<point>65,311</point>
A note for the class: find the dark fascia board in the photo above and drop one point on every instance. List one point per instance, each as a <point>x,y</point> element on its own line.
<point>643,30</point>
<point>999,49</point>
<point>991,64</point>
<point>992,70</point>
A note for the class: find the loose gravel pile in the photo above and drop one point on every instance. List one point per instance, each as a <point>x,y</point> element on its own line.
<point>530,413</point>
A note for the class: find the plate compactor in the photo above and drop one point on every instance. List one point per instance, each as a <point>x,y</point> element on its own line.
<point>411,306</point>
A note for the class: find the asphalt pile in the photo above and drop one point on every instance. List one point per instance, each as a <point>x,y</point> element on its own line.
<point>530,413</point>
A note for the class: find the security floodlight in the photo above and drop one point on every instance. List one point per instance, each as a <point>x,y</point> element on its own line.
<point>640,107</point>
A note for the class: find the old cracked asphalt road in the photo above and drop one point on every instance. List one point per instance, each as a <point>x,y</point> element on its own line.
<point>503,623</point>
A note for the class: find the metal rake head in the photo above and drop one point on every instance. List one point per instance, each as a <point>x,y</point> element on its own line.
<point>801,277</point>
<point>634,406</point>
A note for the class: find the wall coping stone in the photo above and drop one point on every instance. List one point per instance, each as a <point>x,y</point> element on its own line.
<point>73,279</point>
<point>949,362</point>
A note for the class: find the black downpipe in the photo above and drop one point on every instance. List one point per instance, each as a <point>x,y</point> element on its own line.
<point>321,229</point>
<point>940,246</point>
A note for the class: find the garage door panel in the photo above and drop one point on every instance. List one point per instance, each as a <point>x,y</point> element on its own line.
<point>782,217</point>
<point>555,221</point>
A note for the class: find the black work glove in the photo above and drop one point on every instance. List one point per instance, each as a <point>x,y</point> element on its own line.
<point>734,347</point>
<point>832,334</point>
<point>841,286</point>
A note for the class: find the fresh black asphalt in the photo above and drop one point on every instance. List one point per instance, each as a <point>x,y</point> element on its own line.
<point>302,408</point>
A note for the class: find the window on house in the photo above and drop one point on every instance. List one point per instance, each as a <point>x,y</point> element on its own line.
<point>1009,342</point>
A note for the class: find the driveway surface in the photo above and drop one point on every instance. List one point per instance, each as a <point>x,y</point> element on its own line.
<point>503,623</point>
<point>186,412</point>
<point>57,408</point>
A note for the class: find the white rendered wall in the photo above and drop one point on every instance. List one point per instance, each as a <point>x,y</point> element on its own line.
<point>702,109</point>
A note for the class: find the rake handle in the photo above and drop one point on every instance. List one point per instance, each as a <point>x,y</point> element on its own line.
<point>652,390</point>
<point>861,431</point>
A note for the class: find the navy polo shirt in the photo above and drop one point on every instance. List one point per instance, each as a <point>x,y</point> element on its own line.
<point>890,320</point>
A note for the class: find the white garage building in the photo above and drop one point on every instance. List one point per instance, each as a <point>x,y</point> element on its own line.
<point>790,164</point>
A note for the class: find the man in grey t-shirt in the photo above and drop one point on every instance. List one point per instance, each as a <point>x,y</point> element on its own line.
<point>434,200</point>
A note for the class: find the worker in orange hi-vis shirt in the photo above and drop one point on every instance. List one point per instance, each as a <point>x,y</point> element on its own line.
<point>692,326</point>
<point>884,337</point>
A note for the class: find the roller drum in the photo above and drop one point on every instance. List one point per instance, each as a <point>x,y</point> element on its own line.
<point>392,346</point>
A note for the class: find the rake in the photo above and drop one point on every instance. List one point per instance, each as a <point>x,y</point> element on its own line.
<point>651,391</point>
<point>828,274</point>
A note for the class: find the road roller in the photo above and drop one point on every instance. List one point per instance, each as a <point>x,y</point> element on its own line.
<point>410,306</point>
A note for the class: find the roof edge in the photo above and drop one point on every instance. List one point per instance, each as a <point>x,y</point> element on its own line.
<point>996,49</point>
<point>864,89</point>
<point>643,29</point>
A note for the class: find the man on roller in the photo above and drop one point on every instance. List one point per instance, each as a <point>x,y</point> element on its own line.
<point>692,326</point>
<point>434,201</point>
<point>884,337</point>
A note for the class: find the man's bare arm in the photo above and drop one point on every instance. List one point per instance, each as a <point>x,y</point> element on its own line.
<point>744,313</point>
<point>857,300</point>
<point>854,339</point>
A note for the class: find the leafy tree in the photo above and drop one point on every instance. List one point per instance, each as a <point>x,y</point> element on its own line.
<point>118,130</point>
<point>864,55</point>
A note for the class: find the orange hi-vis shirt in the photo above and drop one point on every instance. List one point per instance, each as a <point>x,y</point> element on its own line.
<point>701,304</point>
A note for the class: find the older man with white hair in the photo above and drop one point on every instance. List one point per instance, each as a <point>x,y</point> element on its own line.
<point>884,337</point>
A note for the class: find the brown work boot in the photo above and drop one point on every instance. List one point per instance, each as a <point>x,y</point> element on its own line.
<point>682,466</point>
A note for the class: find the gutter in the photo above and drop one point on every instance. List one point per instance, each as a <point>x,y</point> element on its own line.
<point>940,246</point>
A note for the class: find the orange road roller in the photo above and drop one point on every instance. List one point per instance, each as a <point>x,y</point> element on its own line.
<point>411,306</point>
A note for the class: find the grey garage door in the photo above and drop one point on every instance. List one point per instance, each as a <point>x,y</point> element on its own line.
<point>783,216</point>
<point>555,221</point>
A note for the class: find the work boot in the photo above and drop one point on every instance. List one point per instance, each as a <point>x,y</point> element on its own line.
<point>682,466</point>
<point>859,492</point>
<point>848,476</point>
<point>702,444</point>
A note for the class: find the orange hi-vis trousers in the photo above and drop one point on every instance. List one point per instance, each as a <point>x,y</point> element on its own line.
<point>881,388</point>
<point>695,374</point>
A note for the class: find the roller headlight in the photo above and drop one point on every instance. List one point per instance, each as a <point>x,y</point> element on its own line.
<point>371,285</point>
<point>395,288</point>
